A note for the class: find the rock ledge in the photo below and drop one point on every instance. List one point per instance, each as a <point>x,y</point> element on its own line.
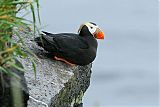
<point>56,84</point>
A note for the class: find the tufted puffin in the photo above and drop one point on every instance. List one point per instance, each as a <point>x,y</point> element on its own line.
<point>72,48</point>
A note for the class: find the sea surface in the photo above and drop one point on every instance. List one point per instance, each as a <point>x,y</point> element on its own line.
<point>125,72</point>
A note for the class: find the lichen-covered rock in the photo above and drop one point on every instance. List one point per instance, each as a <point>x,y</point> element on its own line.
<point>72,92</point>
<point>56,84</point>
<point>13,90</point>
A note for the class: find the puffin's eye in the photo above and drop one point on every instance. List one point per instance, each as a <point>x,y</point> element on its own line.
<point>91,27</point>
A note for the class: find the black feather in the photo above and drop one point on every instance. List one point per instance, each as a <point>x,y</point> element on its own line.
<point>78,49</point>
<point>47,33</point>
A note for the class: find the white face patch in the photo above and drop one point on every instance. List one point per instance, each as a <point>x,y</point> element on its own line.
<point>91,27</point>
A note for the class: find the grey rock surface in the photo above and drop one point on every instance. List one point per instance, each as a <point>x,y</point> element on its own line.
<point>56,84</point>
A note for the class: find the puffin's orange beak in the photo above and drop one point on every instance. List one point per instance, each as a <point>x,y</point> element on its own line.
<point>99,34</point>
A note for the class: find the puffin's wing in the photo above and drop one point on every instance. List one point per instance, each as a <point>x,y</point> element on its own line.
<point>66,41</point>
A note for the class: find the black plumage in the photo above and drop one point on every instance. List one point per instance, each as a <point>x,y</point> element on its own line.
<point>77,49</point>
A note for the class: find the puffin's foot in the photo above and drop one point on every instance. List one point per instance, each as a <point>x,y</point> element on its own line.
<point>63,60</point>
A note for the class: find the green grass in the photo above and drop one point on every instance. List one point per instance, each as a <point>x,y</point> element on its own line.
<point>9,49</point>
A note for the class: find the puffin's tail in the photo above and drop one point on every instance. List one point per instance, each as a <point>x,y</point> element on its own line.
<point>46,33</point>
<point>39,41</point>
<point>46,41</point>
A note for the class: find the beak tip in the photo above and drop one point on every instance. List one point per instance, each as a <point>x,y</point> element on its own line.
<point>100,35</point>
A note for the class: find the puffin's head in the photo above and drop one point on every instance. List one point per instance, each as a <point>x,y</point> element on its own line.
<point>93,29</point>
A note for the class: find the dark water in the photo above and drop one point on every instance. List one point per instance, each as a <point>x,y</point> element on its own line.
<point>125,72</point>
